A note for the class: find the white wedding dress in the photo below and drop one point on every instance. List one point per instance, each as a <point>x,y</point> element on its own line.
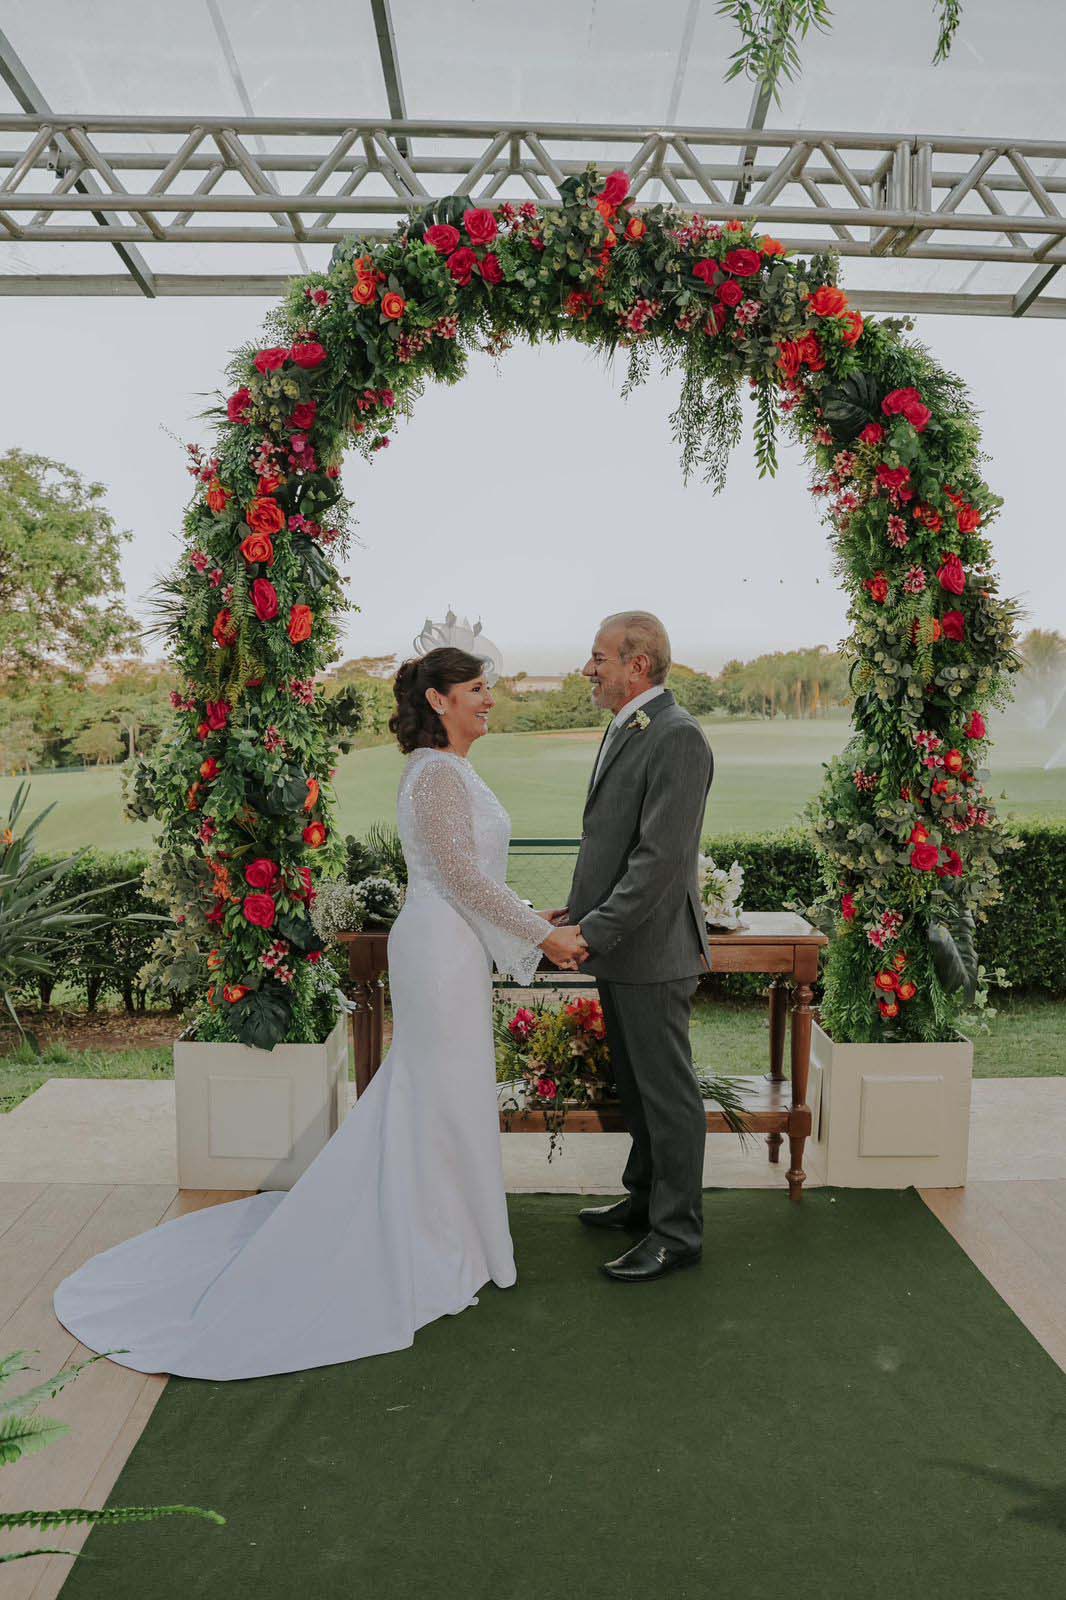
<point>402,1217</point>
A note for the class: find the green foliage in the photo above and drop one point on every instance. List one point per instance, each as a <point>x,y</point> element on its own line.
<point>60,582</point>
<point>22,1433</point>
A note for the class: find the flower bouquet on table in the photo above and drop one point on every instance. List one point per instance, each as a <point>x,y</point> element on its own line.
<point>556,1058</point>
<point>720,893</point>
<point>351,907</point>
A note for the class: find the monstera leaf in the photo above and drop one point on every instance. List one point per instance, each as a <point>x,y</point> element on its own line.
<point>954,953</point>
<point>263,1017</point>
<point>850,405</point>
<point>300,932</point>
<point>317,570</point>
<point>281,796</point>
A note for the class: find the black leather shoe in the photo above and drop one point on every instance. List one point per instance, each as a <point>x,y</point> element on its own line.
<point>648,1260</point>
<point>619,1214</point>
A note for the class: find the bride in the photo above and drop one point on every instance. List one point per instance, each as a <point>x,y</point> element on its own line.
<point>402,1217</point>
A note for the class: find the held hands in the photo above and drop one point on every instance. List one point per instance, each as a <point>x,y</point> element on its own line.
<point>565,947</point>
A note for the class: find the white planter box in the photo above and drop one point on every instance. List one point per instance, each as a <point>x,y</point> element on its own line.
<point>890,1115</point>
<point>255,1119</point>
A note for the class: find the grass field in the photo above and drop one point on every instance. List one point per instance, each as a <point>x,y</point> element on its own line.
<point>1027,1039</point>
<point>764,774</point>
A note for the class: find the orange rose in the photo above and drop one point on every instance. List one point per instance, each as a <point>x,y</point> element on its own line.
<point>258,547</point>
<point>636,228</point>
<point>301,624</point>
<point>828,301</point>
<point>313,792</point>
<point>234,992</point>
<point>907,991</point>
<point>855,327</point>
<point>217,495</point>
<point>264,515</point>
<point>214,960</point>
<point>393,306</point>
<point>771,247</point>
<point>364,291</point>
<point>315,835</point>
<point>886,980</point>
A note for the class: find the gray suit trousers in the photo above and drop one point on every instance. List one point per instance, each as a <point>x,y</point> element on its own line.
<point>648,1032</point>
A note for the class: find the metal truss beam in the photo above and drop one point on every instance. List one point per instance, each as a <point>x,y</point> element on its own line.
<point>57,150</point>
<point>213,180</point>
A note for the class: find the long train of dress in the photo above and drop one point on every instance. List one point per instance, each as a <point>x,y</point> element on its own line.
<point>402,1217</point>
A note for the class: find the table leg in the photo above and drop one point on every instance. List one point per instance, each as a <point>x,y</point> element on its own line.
<point>363,1032</point>
<point>778,1022</point>
<point>802,995</point>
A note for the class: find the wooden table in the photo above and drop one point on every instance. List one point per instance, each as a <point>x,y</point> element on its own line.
<point>777,943</point>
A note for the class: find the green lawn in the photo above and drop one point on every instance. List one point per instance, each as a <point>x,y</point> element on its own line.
<point>1027,1040</point>
<point>764,774</point>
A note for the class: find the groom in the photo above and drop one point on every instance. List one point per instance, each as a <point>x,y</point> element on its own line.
<point>636,898</point>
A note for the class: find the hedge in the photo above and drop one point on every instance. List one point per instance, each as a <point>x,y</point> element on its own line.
<point>1025,934</point>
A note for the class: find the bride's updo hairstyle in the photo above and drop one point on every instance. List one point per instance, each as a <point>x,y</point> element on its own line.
<point>414,722</point>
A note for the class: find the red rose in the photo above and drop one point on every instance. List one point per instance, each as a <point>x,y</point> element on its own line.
<point>480,226</point>
<point>491,270</point>
<point>953,761</point>
<point>308,355</point>
<point>265,599</point>
<point>976,728</point>
<point>262,874</point>
<point>924,857</point>
<point>545,1089</point>
<point>258,547</point>
<point>225,629</point>
<point>264,515</point>
<point>743,263</point>
<point>877,587</point>
<point>894,477</point>
<point>260,910</point>
<point>303,418</point>
<point>461,265</point>
<point>443,237</point>
<point>393,306</point>
<point>919,833</point>
<point>616,188</point>
<point>790,357</point>
<point>301,624</point>
<point>234,992</point>
<point>847,907</point>
<point>217,495</point>
<point>928,517</point>
<point>887,981</point>
<point>952,866</point>
<point>954,625</point>
<point>578,304</point>
<point>239,407</point>
<point>730,293</point>
<point>873,433</point>
<point>855,326</point>
<point>895,403</point>
<point>314,835</point>
<point>202,730</point>
<point>707,272</point>
<point>636,228</point>
<point>969,519</point>
<point>828,301</point>
<point>811,352</point>
<point>271,360</point>
<point>952,575</point>
<point>217,714</point>
<point>209,769</point>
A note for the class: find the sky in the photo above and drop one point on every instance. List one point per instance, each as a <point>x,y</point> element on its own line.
<point>531,495</point>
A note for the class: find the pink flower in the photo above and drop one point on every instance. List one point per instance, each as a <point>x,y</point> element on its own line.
<point>914,582</point>
<point>546,1088</point>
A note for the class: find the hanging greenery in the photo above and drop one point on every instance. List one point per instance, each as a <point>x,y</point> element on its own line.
<point>906,834</point>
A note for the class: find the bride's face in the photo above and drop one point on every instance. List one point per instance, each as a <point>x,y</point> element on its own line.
<point>465,710</point>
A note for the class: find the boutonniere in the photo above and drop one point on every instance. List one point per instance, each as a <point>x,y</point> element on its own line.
<point>640,719</point>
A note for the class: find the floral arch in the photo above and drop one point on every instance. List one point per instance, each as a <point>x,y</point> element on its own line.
<point>906,836</point>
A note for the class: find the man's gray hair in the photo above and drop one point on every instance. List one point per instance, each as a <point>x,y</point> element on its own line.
<point>643,635</point>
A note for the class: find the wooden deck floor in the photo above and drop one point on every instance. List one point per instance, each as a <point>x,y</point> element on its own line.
<point>1014,1230</point>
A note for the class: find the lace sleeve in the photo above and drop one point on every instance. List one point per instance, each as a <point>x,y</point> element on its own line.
<point>510,931</point>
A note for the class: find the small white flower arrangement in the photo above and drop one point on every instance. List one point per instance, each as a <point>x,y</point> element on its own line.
<point>640,719</point>
<point>720,893</point>
<point>348,907</point>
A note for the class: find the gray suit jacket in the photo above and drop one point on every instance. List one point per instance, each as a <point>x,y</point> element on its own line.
<point>635,890</point>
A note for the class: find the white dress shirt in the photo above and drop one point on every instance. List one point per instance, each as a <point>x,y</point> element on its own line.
<point>621,717</point>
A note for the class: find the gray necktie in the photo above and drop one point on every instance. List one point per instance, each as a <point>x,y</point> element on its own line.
<point>612,733</point>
